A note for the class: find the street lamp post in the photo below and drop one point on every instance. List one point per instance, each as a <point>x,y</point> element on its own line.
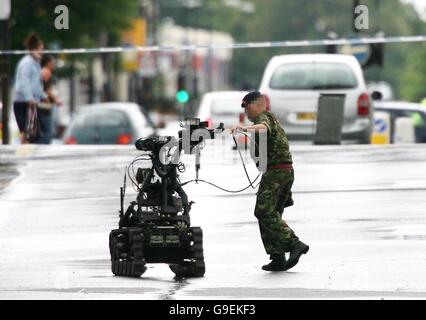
<point>5,8</point>
<point>356,3</point>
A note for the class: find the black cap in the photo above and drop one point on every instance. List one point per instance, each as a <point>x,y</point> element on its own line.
<point>250,97</point>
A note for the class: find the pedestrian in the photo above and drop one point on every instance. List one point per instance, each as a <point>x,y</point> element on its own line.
<point>274,192</point>
<point>48,110</point>
<point>28,87</point>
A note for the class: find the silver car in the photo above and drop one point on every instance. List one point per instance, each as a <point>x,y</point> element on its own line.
<point>222,106</point>
<point>293,84</point>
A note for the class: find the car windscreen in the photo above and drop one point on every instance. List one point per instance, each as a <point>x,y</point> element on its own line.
<point>313,76</point>
<point>226,106</point>
<point>101,119</point>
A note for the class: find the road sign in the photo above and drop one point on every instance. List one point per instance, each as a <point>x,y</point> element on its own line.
<point>133,37</point>
<point>362,52</point>
<point>380,125</point>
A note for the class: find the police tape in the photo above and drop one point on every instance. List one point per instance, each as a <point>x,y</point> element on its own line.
<point>245,45</point>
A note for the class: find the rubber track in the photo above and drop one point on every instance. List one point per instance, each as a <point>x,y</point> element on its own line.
<point>196,267</point>
<point>134,267</point>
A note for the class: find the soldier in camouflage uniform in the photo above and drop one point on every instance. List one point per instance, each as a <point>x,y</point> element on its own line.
<point>274,192</point>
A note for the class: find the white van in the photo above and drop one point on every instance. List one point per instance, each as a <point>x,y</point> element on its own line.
<point>293,83</point>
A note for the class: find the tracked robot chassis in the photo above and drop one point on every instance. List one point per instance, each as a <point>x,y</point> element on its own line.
<point>156,228</point>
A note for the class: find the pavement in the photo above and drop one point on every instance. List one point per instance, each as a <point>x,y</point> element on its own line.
<point>8,173</point>
<point>360,208</point>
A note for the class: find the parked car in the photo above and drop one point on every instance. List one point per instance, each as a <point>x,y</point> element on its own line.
<point>108,123</point>
<point>225,107</point>
<point>221,106</point>
<point>293,84</point>
<point>398,109</point>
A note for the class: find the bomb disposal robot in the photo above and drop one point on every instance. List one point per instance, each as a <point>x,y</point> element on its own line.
<point>156,227</point>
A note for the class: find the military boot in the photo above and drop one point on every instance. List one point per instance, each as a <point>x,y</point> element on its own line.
<point>277,263</point>
<point>297,250</point>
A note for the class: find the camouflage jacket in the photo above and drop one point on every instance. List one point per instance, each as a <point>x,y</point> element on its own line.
<point>278,151</point>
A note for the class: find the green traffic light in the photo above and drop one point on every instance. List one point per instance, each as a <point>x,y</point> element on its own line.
<point>182,96</point>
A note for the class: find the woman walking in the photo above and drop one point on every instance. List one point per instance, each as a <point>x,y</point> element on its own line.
<point>28,84</point>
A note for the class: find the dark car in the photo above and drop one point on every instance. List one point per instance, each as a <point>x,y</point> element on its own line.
<point>398,109</point>
<point>108,123</point>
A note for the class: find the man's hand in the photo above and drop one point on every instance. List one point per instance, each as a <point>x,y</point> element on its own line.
<point>238,127</point>
<point>255,127</point>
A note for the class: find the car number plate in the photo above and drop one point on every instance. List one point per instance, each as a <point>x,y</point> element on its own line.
<point>306,116</point>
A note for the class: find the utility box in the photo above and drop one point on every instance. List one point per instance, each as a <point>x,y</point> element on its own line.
<point>329,119</point>
<point>404,130</point>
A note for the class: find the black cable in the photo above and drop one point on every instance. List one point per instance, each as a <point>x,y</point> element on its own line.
<point>134,184</point>
<point>251,183</point>
<point>245,169</point>
<point>138,158</point>
<point>214,185</point>
<point>244,165</point>
<point>242,132</point>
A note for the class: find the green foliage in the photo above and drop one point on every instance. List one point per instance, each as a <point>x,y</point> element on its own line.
<point>88,20</point>
<point>278,20</point>
<point>273,20</point>
<point>414,79</point>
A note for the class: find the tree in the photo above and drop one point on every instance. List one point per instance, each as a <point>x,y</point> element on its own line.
<point>414,78</point>
<point>91,24</point>
<point>88,21</point>
<point>277,20</point>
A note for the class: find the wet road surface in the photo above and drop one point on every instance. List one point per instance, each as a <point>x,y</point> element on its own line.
<point>360,208</point>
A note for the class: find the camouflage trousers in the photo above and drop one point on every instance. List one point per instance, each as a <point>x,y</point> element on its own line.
<point>273,196</point>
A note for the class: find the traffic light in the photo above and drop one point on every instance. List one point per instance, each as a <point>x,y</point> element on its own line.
<point>181,81</point>
<point>182,95</point>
